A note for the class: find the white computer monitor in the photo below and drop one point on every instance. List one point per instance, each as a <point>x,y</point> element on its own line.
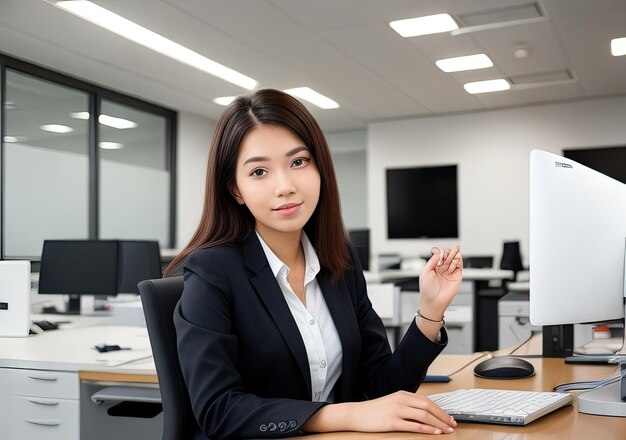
<point>577,254</point>
<point>577,242</point>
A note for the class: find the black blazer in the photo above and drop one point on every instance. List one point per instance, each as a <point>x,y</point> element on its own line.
<point>244,361</point>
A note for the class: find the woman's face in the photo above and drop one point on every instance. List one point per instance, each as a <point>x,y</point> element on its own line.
<point>276,179</point>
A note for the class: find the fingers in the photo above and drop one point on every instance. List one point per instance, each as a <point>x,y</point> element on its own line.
<point>457,263</point>
<point>428,405</point>
<point>434,259</point>
<point>423,417</point>
<point>420,428</point>
<point>446,261</point>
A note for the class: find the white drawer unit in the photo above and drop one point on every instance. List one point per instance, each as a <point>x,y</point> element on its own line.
<point>46,383</point>
<point>39,404</point>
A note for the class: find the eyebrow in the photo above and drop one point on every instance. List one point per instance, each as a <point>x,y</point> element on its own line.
<point>267,159</point>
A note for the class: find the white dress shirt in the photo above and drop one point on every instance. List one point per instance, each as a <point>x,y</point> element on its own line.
<point>318,331</point>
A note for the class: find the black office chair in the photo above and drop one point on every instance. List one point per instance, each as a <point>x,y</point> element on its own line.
<point>511,258</point>
<point>159,297</point>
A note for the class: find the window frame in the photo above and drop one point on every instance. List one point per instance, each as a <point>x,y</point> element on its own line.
<point>96,94</point>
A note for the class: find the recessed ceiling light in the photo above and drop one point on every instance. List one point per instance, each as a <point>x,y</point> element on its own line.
<point>56,128</point>
<point>119,123</point>
<point>111,145</point>
<point>313,97</point>
<point>224,100</point>
<point>469,62</point>
<point>493,85</point>
<point>618,46</point>
<point>431,24</point>
<point>13,139</point>
<point>79,115</point>
<point>132,31</point>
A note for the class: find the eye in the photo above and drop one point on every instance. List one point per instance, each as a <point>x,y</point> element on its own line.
<point>259,172</point>
<point>299,162</point>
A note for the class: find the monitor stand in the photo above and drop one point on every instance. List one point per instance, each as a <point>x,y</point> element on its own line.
<point>607,400</point>
<point>72,306</point>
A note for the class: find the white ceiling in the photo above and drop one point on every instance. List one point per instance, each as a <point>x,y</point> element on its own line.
<point>341,48</point>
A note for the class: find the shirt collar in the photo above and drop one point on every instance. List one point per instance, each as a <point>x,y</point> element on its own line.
<point>311,261</point>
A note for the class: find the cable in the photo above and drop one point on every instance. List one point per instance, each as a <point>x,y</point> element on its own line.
<point>522,344</point>
<point>485,353</point>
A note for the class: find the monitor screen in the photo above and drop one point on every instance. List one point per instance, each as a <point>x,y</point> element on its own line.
<point>139,261</point>
<point>79,267</point>
<point>577,242</point>
<point>414,194</point>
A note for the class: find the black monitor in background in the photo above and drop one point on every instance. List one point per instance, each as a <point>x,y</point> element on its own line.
<point>138,261</point>
<point>79,267</point>
<point>360,238</point>
<point>422,202</point>
<point>610,161</point>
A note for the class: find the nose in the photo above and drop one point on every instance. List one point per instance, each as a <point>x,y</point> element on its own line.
<point>284,185</point>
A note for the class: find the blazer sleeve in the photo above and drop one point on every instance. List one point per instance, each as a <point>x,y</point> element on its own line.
<point>207,350</point>
<point>383,372</point>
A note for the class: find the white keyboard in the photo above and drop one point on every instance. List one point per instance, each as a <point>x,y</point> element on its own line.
<point>499,406</point>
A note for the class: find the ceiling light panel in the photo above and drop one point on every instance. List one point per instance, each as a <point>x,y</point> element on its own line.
<point>313,97</point>
<point>469,62</point>
<point>224,100</point>
<point>431,24</point>
<point>618,47</point>
<point>493,85</point>
<point>117,24</point>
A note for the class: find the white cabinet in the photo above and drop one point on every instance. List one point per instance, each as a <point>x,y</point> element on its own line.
<point>39,404</point>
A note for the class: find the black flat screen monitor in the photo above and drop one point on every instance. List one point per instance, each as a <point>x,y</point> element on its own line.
<point>139,260</point>
<point>79,267</point>
<point>422,202</point>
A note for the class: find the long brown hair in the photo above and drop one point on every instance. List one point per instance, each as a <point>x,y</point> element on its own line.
<point>224,221</point>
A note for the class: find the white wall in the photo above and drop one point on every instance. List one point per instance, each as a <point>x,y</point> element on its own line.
<point>492,152</point>
<point>349,150</point>
<point>193,142</point>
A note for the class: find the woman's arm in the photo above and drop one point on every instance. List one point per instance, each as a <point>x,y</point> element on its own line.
<point>381,371</point>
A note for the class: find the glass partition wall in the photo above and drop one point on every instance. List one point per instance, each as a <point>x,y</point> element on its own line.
<point>68,175</point>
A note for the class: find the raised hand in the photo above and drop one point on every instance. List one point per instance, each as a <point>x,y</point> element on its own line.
<point>439,281</point>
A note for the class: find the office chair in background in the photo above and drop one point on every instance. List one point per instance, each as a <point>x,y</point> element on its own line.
<point>511,258</point>
<point>159,298</point>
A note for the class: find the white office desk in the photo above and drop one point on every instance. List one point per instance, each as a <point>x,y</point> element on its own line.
<point>40,375</point>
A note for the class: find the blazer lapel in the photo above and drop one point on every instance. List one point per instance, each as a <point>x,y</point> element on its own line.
<point>341,310</point>
<point>269,291</point>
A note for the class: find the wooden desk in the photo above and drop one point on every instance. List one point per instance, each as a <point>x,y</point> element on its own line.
<point>563,424</point>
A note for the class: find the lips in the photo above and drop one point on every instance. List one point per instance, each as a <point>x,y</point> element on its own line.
<point>287,209</point>
<point>287,206</point>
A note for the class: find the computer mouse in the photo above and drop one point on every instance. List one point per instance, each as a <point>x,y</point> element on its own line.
<point>504,367</point>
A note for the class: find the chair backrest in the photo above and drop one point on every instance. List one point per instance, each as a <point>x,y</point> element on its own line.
<point>159,298</point>
<point>511,257</point>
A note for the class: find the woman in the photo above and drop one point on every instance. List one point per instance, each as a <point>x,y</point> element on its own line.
<point>276,335</point>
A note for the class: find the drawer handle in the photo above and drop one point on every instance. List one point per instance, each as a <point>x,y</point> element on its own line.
<point>43,422</point>
<point>47,379</point>
<point>454,327</point>
<point>44,402</point>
